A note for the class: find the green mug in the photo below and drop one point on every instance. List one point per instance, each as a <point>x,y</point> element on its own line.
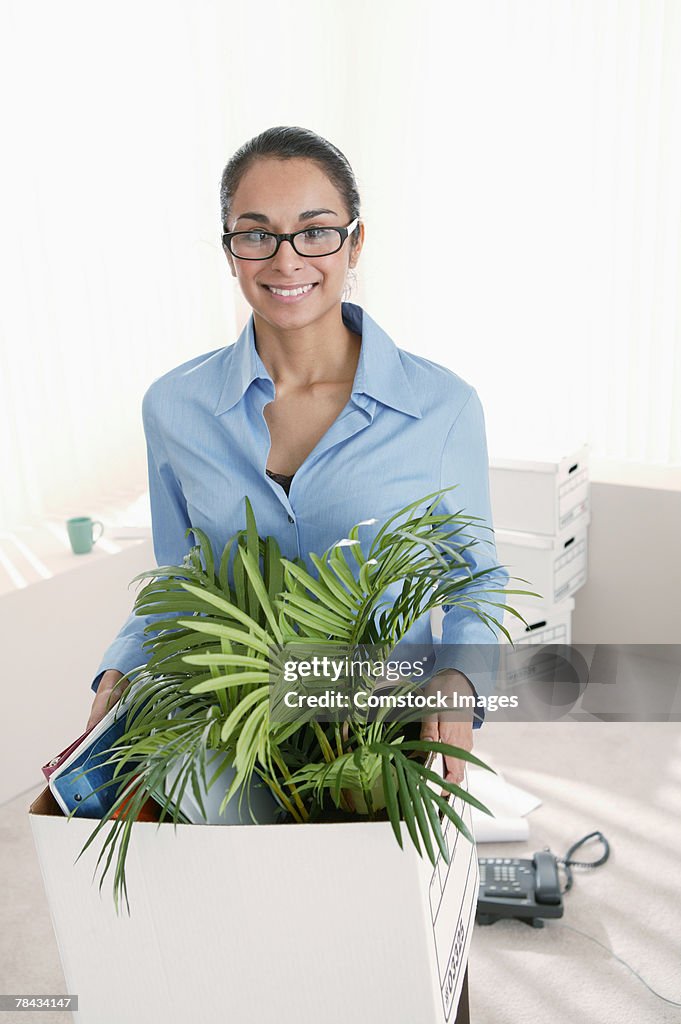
<point>81,531</point>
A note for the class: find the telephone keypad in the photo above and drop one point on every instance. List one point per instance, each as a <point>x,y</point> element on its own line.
<point>500,877</point>
<point>516,888</point>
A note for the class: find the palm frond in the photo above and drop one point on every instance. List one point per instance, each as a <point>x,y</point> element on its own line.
<point>217,635</point>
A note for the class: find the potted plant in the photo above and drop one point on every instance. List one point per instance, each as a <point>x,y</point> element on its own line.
<point>204,696</point>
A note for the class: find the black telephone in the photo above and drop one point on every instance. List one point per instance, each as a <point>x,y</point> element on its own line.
<point>526,889</point>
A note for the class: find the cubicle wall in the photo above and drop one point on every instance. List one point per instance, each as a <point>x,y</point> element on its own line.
<point>54,632</point>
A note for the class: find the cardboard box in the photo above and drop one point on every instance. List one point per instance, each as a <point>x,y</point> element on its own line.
<point>548,623</point>
<point>539,497</point>
<point>257,924</point>
<point>556,567</point>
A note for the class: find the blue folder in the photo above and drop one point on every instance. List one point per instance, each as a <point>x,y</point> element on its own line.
<point>74,783</point>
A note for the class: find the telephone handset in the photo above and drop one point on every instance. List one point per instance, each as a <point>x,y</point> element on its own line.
<point>547,885</point>
<point>526,889</point>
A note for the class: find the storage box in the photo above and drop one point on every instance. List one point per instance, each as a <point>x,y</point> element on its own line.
<point>555,567</point>
<point>539,497</point>
<point>548,623</point>
<point>257,924</point>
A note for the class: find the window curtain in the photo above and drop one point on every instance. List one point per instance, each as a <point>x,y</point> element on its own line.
<point>523,175</point>
<point>520,169</point>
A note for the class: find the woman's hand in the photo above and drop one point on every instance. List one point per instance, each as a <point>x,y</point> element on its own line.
<point>451,726</point>
<point>107,695</point>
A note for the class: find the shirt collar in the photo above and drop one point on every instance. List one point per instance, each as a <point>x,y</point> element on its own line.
<point>379,372</point>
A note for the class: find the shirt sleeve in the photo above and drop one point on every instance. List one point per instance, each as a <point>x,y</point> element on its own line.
<point>169,521</point>
<point>468,644</point>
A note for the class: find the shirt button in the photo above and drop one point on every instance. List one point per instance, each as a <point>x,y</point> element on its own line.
<point>290,519</point>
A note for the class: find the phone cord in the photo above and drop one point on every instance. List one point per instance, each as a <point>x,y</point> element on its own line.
<point>567,861</point>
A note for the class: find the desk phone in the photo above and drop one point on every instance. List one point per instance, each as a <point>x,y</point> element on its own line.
<point>526,889</point>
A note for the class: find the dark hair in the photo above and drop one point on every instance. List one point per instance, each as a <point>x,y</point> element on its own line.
<point>285,143</point>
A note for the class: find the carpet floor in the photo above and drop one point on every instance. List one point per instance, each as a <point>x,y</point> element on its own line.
<point>621,778</point>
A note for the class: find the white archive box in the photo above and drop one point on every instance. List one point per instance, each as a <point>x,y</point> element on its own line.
<point>555,567</point>
<point>543,497</point>
<point>547,623</point>
<point>252,924</point>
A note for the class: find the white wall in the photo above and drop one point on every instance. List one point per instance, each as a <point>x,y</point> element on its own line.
<point>633,592</point>
<point>54,635</point>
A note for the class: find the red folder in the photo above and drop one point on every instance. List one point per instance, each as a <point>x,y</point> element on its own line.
<point>52,765</point>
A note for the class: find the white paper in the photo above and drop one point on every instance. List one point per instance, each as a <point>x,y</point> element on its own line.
<point>499,830</point>
<point>508,803</point>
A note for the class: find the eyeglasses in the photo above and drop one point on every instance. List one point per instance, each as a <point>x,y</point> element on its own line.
<point>263,245</point>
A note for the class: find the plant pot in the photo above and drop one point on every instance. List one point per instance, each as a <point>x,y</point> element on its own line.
<point>265,808</point>
<point>336,816</point>
<point>377,797</point>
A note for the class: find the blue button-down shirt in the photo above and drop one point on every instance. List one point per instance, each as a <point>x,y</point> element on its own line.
<point>409,428</point>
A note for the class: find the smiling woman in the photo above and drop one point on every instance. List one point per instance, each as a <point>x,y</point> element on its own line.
<point>286,228</point>
<point>314,413</point>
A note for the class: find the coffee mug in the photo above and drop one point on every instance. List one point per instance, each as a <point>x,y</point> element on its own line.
<point>81,531</point>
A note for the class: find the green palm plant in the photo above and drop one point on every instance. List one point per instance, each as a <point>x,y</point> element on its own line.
<point>216,648</point>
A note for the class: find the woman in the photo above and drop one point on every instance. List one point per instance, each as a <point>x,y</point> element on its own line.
<point>314,412</point>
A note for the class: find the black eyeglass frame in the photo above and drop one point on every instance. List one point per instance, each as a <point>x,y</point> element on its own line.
<point>289,237</point>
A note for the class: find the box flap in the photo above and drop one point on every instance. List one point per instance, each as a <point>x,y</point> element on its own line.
<point>45,803</point>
